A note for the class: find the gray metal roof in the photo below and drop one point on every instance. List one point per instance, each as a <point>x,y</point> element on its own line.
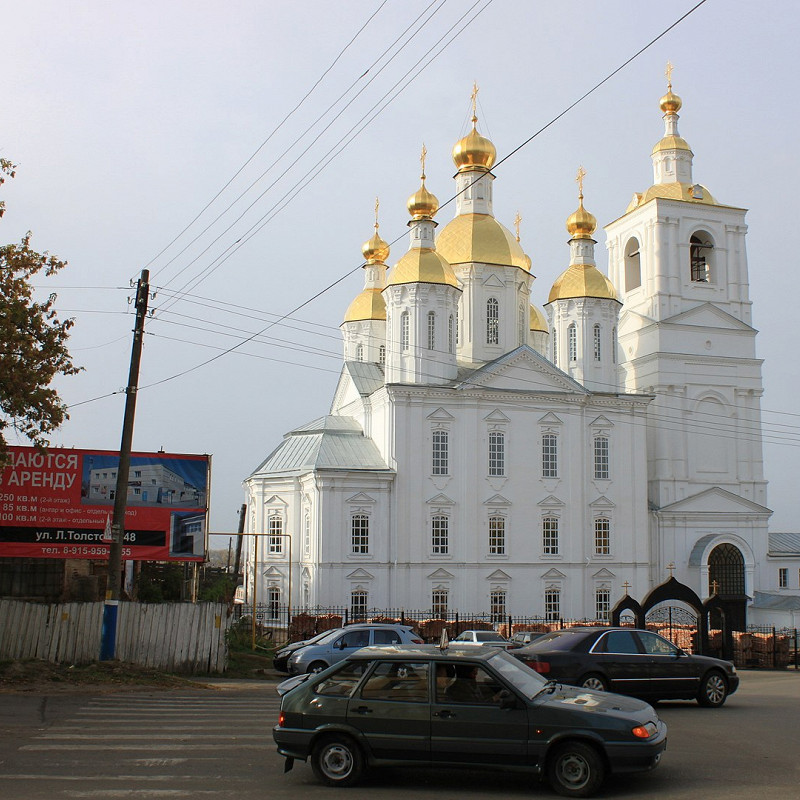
<point>784,544</point>
<point>366,377</point>
<point>330,442</point>
<point>776,602</point>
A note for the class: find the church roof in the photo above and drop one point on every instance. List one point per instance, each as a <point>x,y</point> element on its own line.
<point>784,544</point>
<point>367,377</point>
<point>776,602</point>
<point>330,442</point>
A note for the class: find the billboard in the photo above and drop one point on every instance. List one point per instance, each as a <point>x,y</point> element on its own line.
<point>59,504</point>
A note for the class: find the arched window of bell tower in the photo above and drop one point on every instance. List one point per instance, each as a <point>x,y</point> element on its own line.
<point>633,265</point>
<point>492,321</point>
<point>701,248</point>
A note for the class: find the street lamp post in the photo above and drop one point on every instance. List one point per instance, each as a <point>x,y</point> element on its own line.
<point>255,583</point>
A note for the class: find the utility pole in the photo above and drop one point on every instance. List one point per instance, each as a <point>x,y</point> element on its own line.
<point>237,563</point>
<point>108,641</point>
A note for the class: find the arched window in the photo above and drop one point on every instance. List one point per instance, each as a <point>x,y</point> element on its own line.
<point>602,604</point>
<point>497,536</point>
<point>450,334</point>
<point>497,605</point>
<point>359,529</point>
<point>492,321</point>
<point>700,247</point>
<point>360,352</point>
<point>602,536</point>
<point>614,345</point>
<point>633,266</point>
<point>382,354</point>
<point>431,330</point>
<point>552,603</point>
<point>726,571</point>
<point>572,342</point>
<point>404,331</point>
<point>440,535</point>
<point>597,341</point>
<point>439,598</point>
<point>275,538</point>
<point>497,453</point>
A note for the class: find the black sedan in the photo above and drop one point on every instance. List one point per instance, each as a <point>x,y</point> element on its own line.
<point>629,661</point>
<point>461,707</point>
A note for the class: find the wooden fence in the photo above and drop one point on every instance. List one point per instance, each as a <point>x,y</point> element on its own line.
<point>175,637</point>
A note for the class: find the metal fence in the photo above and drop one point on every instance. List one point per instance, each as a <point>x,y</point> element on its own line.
<point>757,647</point>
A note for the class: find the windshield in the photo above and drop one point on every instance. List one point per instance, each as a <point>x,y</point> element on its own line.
<point>521,676</point>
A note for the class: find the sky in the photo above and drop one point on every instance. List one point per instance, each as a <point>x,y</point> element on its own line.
<point>235,150</point>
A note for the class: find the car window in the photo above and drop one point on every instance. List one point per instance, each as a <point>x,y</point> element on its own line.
<point>343,681</point>
<point>471,684</point>
<point>617,642</point>
<point>489,636</point>
<point>386,636</point>
<point>519,675</point>
<point>355,639</point>
<point>463,637</point>
<point>405,681</point>
<point>656,645</point>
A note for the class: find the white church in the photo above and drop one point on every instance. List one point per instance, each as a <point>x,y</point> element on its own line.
<point>481,454</point>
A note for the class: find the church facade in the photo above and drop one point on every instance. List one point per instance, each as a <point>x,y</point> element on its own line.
<point>483,454</point>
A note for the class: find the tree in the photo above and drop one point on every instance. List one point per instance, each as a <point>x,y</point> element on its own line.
<point>32,343</point>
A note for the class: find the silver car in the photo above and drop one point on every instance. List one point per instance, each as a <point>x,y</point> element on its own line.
<point>316,657</point>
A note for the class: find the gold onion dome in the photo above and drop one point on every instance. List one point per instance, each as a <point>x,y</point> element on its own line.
<point>474,151</point>
<point>581,224</point>
<point>670,103</point>
<point>538,320</point>
<point>376,250</point>
<point>422,204</point>
<point>422,265</point>
<point>582,280</point>
<point>480,238</point>
<point>367,305</point>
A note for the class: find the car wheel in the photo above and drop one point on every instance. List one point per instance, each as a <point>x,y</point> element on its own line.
<point>713,690</point>
<point>593,681</point>
<point>337,761</point>
<point>316,666</point>
<point>575,769</point>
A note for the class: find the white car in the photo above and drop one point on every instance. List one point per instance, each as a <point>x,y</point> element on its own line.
<point>483,638</point>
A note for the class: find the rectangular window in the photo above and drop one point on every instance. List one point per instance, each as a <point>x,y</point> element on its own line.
<point>360,533</point>
<point>275,539</point>
<point>439,599</point>
<point>602,536</point>
<point>601,458</point>
<point>497,454</point>
<point>440,535</point>
<point>602,605</point>
<point>552,604</point>
<point>572,342</point>
<point>596,342</point>
<point>783,578</point>
<point>549,456</point>
<point>404,331</point>
<point>358,604</point>
<point>431,330</point>
<point>497,605</point>
<point>550,536</point>
<point>555,346</point>
<point>307,534</point>
<point>492,321</point>
<point>497,536</point>
<point>450,334</point>
<point>273,602</point>
<point>439,464</point>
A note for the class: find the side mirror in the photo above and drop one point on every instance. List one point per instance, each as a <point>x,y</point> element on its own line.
<point>341,644</point>
<point>506,699</point>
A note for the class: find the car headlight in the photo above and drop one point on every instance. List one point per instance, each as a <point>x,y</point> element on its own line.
<point>645,731</point>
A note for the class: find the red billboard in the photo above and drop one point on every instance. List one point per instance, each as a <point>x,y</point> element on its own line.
<point>59,504</point>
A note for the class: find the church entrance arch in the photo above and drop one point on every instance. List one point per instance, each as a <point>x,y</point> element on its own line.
<point>675,611</point>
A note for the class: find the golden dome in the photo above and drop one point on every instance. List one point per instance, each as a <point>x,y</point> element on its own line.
<point>687,192</point>
<point>672,142</point>
<point>474,151</point>
<point>422,265</point>
<point>582,280</point>
<point>376,250</point>
<point>367,305</point>
<point>581,224</point>
<point>481,238</point>
<point>670,103</point>
<point>538,320</point>
<point>422,204</point>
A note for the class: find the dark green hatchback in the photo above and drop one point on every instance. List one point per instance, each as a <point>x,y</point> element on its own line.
<point>423,705</point>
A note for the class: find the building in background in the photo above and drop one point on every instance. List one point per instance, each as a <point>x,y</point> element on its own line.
<point>483,454</point>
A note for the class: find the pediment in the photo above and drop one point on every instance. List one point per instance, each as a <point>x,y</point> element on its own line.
<point>272,572</point>
<point>498,575</point>
<point>707,315</point>
<point>714,501</point>
<point>551,501</point>
<point>603,574</point>
<point>440,414</point>
<point>360,499</point>
<point>601,422</point>
<point>275,500</point>
<point>601,502</point>
<point>440,500</point>
<point>441,574</point>
<point>359,575</point>
<point>493,282</point>
<point>550,419</point>
<point>553,574</point>
<point>497,500</point>
<point>496,416</point>
<point>522,370</point>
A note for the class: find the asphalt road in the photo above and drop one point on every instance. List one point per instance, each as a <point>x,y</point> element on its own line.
<point>218,743</point>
